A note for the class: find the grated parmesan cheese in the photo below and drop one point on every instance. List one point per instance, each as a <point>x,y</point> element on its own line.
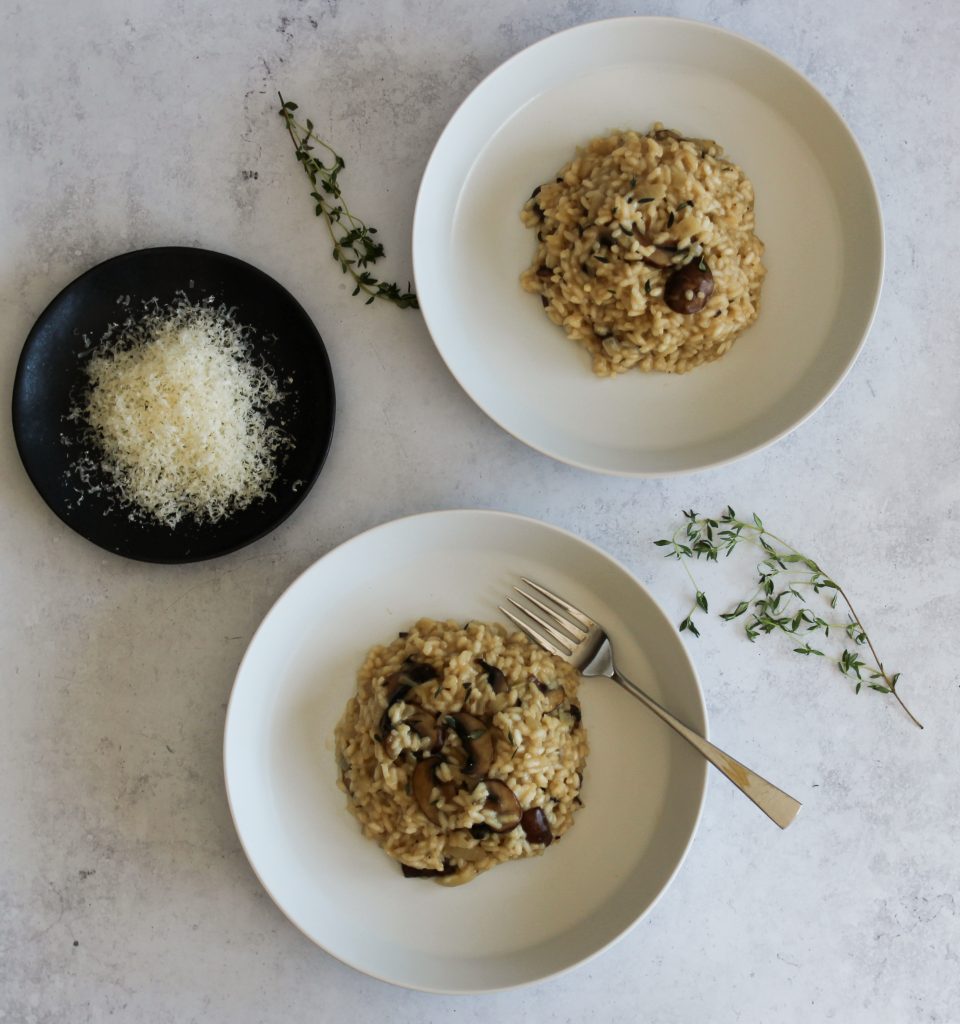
<point>181,415</point>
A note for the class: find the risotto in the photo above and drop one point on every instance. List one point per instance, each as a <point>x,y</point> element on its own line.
<point>646,252</point>
<point>463,747</point>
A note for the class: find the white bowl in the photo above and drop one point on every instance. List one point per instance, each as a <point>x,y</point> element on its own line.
<point>522,921</point>
<point>817,211</point>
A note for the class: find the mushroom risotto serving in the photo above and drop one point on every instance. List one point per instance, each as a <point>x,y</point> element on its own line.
<point>463,747</point>
<point>646,253</point>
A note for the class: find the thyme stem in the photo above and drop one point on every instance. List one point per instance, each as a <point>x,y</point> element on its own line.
<point>786,610</point>
<point>354,246</point>
<point>891,682</point>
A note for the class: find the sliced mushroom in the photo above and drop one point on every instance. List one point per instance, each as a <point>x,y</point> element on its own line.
<point>456,849</point>
<point>536,827</point>
<point>448,869</point>
<point>386,723</point>
<point>418,671</point>
<point>667,133</point>
<point>662,255</point>
<point>424,782</point>
<point>704,145</point>
<point>554,698</point>
<point>398,685</point>
<point>502,803</point>
<point>426,726</point>
<point>477,741</point>
<point>495,677</point>
<point>689,287</point>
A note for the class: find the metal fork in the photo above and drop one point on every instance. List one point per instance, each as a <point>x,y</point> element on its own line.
<point>568,633</point>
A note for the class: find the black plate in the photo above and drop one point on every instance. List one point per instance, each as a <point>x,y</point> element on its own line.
<point>50,374</point>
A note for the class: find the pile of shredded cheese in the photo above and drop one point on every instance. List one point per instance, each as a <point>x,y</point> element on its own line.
<point>181,415</point>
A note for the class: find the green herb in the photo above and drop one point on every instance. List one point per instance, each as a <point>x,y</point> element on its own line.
<point>670,220</point>
<point>647,286</point>
<point>354,246</point>
<point>646,199</point>
<point>787,581</point>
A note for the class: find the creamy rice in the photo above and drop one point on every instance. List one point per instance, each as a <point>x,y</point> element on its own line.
<point>462,748</point>
<point>624,216</point>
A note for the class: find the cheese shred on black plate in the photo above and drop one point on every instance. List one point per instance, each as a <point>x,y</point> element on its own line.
<point>181,415</point>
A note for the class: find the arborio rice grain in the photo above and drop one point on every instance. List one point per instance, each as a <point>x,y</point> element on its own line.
<point>462,748</point>
<point>627,213</point>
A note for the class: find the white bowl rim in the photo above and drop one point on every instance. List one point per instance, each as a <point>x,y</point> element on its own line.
<point>657,610</point>
<point>820,400</point>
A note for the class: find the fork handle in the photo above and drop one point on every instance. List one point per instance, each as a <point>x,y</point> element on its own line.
<point>775,804</point>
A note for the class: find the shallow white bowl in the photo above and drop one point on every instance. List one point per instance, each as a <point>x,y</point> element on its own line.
<point>817,211</point>
<point>522,921</point>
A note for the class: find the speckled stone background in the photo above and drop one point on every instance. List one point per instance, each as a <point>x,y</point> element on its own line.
<point>123,889</point>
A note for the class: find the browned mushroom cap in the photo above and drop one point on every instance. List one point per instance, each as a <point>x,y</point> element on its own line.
<point>424,781</point>
<point>536,827</point>
<point>502,802</point>
<point>495,677</point>
<point>426,727</point>
<point>477,741</point>
<point>688,288</point>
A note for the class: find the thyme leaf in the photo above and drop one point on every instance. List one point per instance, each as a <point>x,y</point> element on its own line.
<point>354,245</point>
<point>791,589</point>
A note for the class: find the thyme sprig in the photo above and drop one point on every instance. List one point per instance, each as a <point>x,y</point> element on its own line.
<point>787,580</point>
<point>354,246</point>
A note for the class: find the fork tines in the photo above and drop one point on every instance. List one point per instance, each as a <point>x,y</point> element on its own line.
<point>559,629</point>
